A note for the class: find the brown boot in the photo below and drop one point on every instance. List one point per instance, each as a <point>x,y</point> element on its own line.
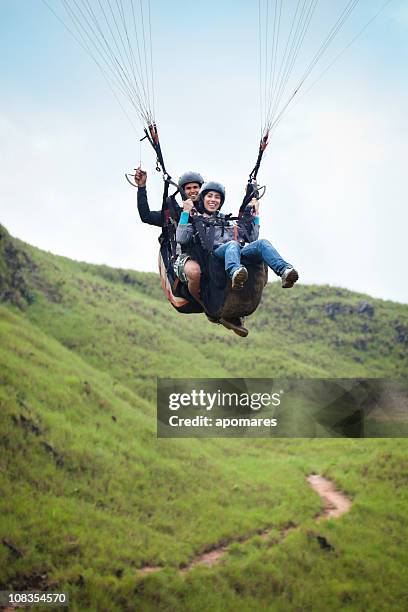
<point>236,326</point>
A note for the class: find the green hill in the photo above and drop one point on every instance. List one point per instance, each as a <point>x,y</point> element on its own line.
<point>90,496</point>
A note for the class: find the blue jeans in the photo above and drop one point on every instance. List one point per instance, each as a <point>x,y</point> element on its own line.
<point>259,250</point>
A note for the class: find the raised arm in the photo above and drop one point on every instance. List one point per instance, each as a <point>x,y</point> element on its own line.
<point>152,217</point>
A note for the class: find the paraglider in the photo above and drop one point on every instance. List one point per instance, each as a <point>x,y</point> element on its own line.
<point>198,274</point>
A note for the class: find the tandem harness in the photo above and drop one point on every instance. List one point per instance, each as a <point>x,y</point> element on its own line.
<point>215,286</point>
<point>205,228</point>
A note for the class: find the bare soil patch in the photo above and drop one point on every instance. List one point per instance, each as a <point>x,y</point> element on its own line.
<point>336,503</point>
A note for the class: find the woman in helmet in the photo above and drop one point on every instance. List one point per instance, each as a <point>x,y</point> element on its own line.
<point>229,241</point>
<point>208,205</point>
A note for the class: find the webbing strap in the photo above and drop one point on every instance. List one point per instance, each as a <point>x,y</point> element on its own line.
<point>152,135</point>
<point>205,230</point>
<point>210,238</point>
<point>262,146</point>
<point>198,225</point>
<point>165,209</point>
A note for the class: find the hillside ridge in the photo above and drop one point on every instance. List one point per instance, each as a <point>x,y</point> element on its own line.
<point>89,495</point>
<point>308,331</point>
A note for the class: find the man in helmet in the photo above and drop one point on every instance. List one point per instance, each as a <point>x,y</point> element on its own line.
<point>190,182</point>
<point>187,270</point>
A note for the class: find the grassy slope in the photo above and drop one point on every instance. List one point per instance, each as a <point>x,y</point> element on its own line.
<point>89,499</point>
<point>118,320</point>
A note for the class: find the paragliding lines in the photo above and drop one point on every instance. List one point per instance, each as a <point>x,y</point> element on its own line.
<point>119,41</point>
<point>286,110</point>
<point>290,55</point>
<point>260,66</point>
<point>279,58</point>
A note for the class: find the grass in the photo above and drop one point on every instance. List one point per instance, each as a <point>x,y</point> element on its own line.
<point>89,495</point>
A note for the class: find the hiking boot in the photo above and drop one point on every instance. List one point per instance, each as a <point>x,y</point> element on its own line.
<point>289,278</point>
<point>239,278</point>
<point>236,326</point>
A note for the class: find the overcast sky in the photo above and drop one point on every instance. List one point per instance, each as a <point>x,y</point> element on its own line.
<point>335,170</point>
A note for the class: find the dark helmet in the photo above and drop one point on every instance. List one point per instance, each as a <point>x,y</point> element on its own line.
<point>206,188</point>
<point>190,177</point>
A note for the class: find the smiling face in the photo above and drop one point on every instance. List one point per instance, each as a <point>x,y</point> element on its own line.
<point>191,190</point>
<point>212,201</point>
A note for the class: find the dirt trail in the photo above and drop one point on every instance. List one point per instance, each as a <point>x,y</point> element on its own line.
<point>335,504</point>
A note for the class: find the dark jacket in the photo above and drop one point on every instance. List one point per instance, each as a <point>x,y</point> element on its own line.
<point>152,217</point>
